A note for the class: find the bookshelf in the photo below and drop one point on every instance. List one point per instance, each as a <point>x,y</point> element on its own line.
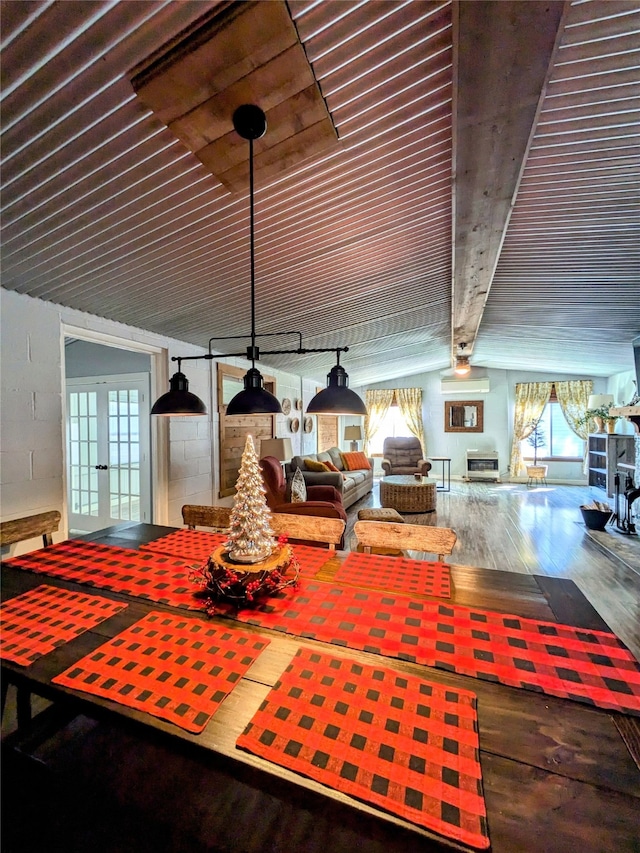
<point>610,453</point>
<point>597,461</point>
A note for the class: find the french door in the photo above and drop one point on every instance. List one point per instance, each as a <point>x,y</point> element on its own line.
<point>108,466</point>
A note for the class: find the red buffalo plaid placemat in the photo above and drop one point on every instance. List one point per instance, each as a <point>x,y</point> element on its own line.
<point>345,616</point>
<point>396,741</point>
<point>398,574</point>
<point>154,577</point>
<point>590,666</point>
<point>46,617</point>
<point>174,667</point>
<point>593,667</point>
<point>310,559</point>
<point>192,545</point>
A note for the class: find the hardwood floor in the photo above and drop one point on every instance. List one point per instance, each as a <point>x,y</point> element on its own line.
<point>538,531</point>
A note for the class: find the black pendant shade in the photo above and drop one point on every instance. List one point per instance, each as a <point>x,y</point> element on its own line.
<point>337,398</point>
<point>179,400</point>
<point>255,399</point>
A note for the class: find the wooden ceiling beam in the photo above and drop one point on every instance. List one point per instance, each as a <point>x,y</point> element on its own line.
<point>502,55</point>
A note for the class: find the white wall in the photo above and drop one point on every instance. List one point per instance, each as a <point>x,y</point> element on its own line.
<point>294,388</point>
<point>623,387</point>
<point>31,387</point>
<point>30,408</point>
<point>31,415</point>
<point>498,419</point>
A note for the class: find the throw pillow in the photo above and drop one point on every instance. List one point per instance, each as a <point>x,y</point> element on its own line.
<point>313,465</point>
<point>331,467</point>
<point>298,488</point>
<point>355,461</point>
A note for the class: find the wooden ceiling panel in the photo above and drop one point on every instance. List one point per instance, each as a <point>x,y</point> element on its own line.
<point>271,84</point>
<point>242,53</point>
<point>225,45</point>
<point>302,131</point>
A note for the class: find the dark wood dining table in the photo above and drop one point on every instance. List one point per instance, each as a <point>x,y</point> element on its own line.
<point>557,774</point>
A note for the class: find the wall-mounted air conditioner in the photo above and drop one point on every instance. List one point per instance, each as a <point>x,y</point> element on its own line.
<point>465,386</point>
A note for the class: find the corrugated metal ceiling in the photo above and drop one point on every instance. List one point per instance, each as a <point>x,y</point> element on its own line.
<point>105,211</point>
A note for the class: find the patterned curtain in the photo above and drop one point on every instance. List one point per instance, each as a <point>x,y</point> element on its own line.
<point>377,402</point>
<point>410,403</point>
<point>573,397</point>
<point>531,398</point>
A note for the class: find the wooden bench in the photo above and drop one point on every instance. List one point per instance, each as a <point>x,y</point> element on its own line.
<point>194,515</point>
<point>413,537</point>
<point>387,515</point>
<point>309,528</point>
<point>19,530</point>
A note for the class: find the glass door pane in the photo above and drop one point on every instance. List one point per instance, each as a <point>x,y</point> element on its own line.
<point>83,452</point>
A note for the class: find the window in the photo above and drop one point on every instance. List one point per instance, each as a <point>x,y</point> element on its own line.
<point>560,442</point>
<point>393,426</point>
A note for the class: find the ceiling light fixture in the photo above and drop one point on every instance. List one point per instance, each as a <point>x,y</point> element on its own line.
<point>179,400</point>
<point>250,123</point>
<point>462,367</point>
<point>337,398</point>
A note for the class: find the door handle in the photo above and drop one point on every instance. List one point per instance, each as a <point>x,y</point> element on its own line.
<point>101,467</point>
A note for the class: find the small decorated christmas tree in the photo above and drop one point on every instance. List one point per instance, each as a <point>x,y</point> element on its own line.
<point>251,538</point>
<point>268,564</point>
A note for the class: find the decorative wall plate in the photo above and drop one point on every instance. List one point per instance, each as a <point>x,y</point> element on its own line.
<point>286,406</point>
<point>308,424</point>
<point>298,405</point>
<point>294,424</point>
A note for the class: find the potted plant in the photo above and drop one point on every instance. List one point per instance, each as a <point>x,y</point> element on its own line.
<point>536,439</point>
<point>601,417</point>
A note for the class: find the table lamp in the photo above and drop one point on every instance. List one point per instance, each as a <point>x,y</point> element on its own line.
<point>597,401</point>
<point>354,435</point>
<point>278,447</point>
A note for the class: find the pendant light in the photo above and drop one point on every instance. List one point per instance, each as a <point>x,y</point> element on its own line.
<point>250,123</point>
<point>337,398</point>
<point>179,400</point>
<point>462,367</point>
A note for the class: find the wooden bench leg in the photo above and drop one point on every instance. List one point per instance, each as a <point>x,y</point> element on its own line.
<point>23,707</point>
<point>5,688</point>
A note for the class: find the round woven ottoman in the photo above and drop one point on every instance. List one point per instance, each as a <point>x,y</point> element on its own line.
<point>406,494</point>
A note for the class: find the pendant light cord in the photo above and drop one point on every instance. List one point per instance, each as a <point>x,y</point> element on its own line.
<point>253,262</point>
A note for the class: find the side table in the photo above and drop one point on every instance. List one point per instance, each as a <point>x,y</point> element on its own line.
<point>445,484</point>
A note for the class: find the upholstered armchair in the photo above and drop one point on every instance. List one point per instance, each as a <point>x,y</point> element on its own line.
<point>324,501</point>
<point>404,456</point>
